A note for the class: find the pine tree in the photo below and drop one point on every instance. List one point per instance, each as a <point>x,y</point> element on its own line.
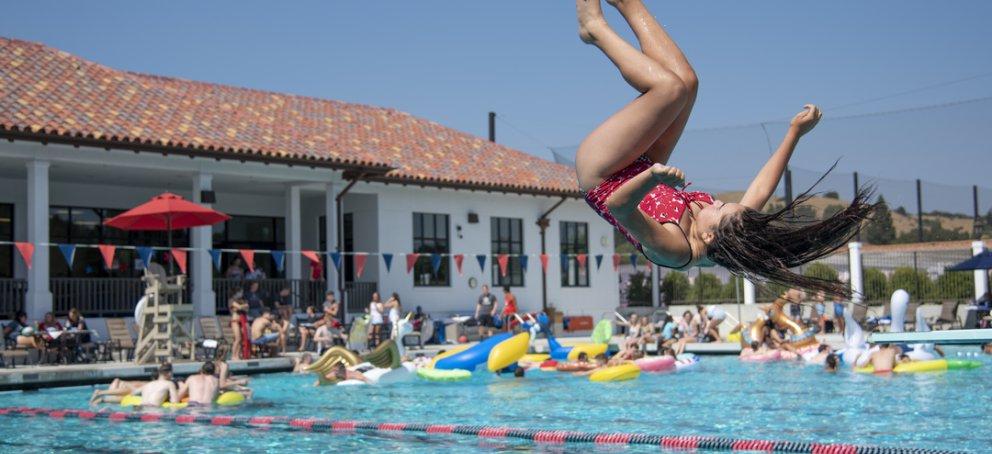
<point>880,229</point>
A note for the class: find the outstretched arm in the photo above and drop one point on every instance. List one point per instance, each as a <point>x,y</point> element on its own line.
<point>763,185</point>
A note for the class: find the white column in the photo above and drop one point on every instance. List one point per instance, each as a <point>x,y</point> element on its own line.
<point>331,234</point>
<point>39,297</point>
<point>981,276</point>
<point>750,296</point>
<point>201,267</point>
<point>655,288</point>
<point>857,274</point>
<point>294,239</point>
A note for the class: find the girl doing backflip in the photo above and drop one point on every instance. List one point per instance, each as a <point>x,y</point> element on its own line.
<point>621,166</point>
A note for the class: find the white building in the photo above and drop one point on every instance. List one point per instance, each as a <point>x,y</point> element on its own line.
<point>82,142</point>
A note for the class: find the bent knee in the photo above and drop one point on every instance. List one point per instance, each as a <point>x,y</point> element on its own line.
<point>669,87</point>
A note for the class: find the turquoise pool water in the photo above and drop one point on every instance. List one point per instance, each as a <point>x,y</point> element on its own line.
<point>723,397</point>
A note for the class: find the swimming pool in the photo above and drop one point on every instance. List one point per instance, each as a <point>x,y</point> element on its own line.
<point>722,397</point>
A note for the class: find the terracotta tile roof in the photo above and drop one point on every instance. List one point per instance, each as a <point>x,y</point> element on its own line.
<point>45,92</point>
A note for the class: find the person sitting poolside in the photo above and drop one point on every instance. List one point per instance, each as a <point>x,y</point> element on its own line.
<point>275,338</point>
<point>201,388</point>
<point>667,338</point>
<point>713,316</point>
<point>20,333</point>
<point>830,363</point>
<point>341,373</point>
<point>160,390</point>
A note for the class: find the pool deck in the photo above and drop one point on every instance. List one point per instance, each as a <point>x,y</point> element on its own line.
<point>53,376</point>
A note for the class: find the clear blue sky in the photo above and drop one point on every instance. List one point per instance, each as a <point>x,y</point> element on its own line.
<point>452,61</point>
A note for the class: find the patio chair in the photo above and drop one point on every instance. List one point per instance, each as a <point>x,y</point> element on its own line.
<point>948,315</point>
<point>911,316</point>
<point>11,352</point>
<point>209,330</point>
<point>121,340</point>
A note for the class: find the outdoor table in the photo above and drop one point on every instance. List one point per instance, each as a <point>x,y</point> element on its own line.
<point>62,340</point>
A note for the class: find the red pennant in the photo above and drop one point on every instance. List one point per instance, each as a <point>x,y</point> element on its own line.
<point>180,256</point>
<point>107,251</point>
<point>27,252</point>
<point>411,259</point>
<point>459,258</point>
<point>249,256</point>
<point>582,258</point>
<point>544,262</point>
<point>311,255</point>
<point>503,260</point>
<point>360,259</point>
<point>616,262</point>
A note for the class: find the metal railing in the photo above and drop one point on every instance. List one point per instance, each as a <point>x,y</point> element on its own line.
<point>358,295</point>
<point>303,292</point>
<point>12,293</point>
<point>96,297</point>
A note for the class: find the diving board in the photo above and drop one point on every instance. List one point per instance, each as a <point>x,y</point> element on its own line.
<point>953,337</point>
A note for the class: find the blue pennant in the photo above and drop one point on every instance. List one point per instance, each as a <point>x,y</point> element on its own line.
<point>69,252</point>
<point>599,261</point>
<point>481,258</point>
<point>523,263</point>
<point>388,260</point>
<point>633,260</point>
<point>564,263</point>
<point>436,262</point>
<point>336,259</point>
<point>280,258</point>
<point>215,255</point>
<point>145,254</point>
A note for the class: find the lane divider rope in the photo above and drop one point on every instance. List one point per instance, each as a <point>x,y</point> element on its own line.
<point>535,435</point>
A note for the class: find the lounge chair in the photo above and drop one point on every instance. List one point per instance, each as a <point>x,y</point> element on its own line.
<point>121,340</point>
<point>911,316</point>
<point>948,315</point>
<point>11,352</point>
<point>209,331</point>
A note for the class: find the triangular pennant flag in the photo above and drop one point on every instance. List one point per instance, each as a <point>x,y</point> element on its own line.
<point>599,260</point>
<point>411,259</point>
<point>336,259</point>
<point>582,258</point>
<point>633,261</point>
<point>180,256</point>
<point>311,255</point>
<point>564,263</point>
<point>523,263</point>
<point>27,252</point>
<point>280,258</point>
<point>481,258</point>
<point>459,258</point>
<point>145,254</point>
<point>616,262</point>
<point>215,255</point>
<point>544,262</point>
<point>504,261</point>
<point>359,261</point>
<point>69,252</point>
<point>388,260</point>
<point>249,256</point>
<point>107,251</point>
<point>436,262</point>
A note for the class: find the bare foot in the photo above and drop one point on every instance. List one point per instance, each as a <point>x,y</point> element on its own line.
<point>590,15</point>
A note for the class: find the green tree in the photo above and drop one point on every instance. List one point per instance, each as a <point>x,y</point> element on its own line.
<point>674,287</point>
<point>915,282</point>
<point>707,287</point>
<point>880,229</point>
<point>821,270</point>
<point>640,289</point>
<point>955,285</point>
<point>876,285</point>
<point>831,195</point>
<point>805,213</point>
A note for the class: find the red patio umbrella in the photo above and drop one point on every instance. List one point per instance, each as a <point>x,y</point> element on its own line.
<point>168,212</point>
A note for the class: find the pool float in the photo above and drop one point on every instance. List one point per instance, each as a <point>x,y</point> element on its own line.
<point>508,352</point>
<point>656,363</point>
<point>769,356</point>
<point>382,376</point>
<point>358,336</point>
<point>855,341</point>
<point>798,336</point>
<point>591,350</point>
<point>935,365</point>
<point>444,374</point>
<point>385,356</point>
<point>686,361</point>
<point>626,371</point>
<point>225,399</point>
<point>734,337</point>
<point>753,332</point>
<point>603,332</point>
<point>535,357</point>
<point>473,356</point>
<point>549,365</point>
<point>451,351</point>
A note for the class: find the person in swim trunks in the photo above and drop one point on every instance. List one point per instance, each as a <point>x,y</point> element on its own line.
<point>622,168</point>
<point>884,359</point>
<point>274,338</point>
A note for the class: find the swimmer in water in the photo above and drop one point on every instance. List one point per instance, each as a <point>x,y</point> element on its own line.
<point>622,167</point>
<point>830,363</point>
<point>884,359</point>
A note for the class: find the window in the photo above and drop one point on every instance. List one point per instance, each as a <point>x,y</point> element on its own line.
<point>250,232</point>
<point>6,234</point>
<point>84,225</point>
<point>507,238</point>
<point>430,236</point>
<point>574,240</point>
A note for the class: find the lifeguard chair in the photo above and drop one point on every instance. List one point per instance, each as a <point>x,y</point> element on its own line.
<point>165,321</point>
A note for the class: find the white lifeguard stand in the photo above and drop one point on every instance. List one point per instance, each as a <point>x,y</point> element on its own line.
<point>165,323</point>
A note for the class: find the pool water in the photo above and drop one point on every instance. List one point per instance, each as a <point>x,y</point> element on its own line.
<point>722,397</point>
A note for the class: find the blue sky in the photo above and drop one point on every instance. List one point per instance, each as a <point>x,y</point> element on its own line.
<point>453,61</point>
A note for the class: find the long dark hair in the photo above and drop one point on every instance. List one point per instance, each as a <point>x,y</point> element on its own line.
<point>763,246</point>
